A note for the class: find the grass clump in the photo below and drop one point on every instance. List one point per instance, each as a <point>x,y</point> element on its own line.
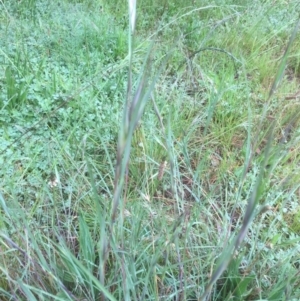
<point>149,162</point>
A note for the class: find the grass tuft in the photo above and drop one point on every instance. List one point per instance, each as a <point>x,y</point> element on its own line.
<point>149,150</point>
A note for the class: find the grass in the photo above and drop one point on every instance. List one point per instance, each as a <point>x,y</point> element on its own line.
<point>151,163</point>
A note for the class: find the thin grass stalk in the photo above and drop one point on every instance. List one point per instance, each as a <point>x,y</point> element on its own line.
<point>276,82</point>
<point>133,110</point>
<point>121,165</point>
<point>132,114</point>
<point>123,142</point>
<point>228,253</point>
